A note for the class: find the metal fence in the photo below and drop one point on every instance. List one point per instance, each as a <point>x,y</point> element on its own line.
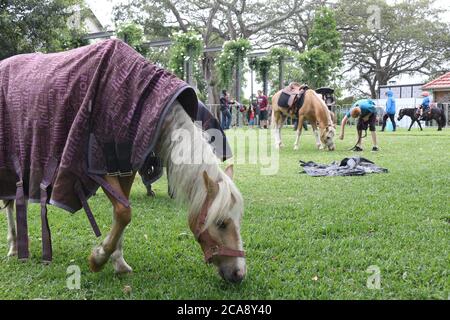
<point>239,119</point>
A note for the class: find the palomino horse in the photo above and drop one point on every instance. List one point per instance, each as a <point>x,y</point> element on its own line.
<point>214,202</point>
<point>315,111</point>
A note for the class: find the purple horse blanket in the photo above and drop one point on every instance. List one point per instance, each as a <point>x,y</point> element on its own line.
<point>67,119</point>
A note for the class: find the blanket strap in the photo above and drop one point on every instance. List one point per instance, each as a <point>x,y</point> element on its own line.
<point>21,215</point>
<point>87,209</point>
<point>105,185</point>
<point>47,180</point>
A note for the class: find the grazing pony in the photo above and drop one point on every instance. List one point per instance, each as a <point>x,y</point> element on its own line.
<point>90,117</point>
<point>215,204</point>
<point>315,111</point>
<point>435,114</point>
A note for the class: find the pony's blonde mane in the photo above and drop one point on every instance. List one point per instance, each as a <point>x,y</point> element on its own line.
<point>186,178</point>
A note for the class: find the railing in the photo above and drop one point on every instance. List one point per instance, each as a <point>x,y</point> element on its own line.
<point>239,119</point>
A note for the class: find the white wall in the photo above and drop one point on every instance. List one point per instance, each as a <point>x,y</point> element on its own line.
<point>400,104</point>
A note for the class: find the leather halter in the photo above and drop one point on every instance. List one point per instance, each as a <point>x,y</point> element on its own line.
<point>210,247</point>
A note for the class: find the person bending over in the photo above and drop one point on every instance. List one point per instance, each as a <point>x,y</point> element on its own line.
<point>366,113</point>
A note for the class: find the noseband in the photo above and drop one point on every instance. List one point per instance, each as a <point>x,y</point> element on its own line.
<point>210,247</point>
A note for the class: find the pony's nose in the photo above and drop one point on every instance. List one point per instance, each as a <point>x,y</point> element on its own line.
<point>237,276</point>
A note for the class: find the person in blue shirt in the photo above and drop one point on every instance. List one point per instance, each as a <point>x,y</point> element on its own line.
<point>390,110</point>
<point>425,106</point>
<point>366,113</point>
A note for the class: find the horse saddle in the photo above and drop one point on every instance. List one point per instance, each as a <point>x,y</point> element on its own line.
<point>293,97</point>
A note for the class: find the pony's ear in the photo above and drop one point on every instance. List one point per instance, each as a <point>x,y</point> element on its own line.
<point>212,187</point>
<point>229,171</point>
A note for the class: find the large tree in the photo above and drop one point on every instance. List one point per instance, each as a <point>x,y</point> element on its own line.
<point>216,21</point>
<point>322,59</point>
<point>383,41</point>
<point>293,32</point>
<point>35,25</point>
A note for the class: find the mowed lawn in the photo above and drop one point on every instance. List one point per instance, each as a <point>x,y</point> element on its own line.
<point>305,238</point>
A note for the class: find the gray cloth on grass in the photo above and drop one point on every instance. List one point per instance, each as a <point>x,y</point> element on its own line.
<point>356,166</point>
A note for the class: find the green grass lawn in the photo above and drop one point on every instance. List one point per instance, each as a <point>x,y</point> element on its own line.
<point>305,238</point>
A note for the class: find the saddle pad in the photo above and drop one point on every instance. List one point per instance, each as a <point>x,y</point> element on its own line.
<point>284,100</point>
<point>82,109</point>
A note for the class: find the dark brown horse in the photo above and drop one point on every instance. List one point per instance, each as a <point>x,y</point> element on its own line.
<point>434,114</point>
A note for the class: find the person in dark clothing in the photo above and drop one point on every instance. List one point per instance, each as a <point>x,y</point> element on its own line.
<point>263,104</point>
<point>152,169</point>
<point>390,110</point>
<point>225,109</point>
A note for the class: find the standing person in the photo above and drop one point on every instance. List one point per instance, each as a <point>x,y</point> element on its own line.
<point>225,109</point>
<point>366,113</point>
<point>425,106</point>
<point>390,110</point>
<point>263,103</point>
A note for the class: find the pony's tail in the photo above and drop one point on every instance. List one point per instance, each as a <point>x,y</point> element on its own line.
<point>443,120</point>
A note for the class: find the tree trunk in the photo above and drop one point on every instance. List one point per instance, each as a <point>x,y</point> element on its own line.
<point>265,83</point>
<point>209,74</point>
<point>281,73</point>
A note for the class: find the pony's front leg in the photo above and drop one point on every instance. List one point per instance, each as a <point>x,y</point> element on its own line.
<point>12,233</point>
<point>316,135</point>
<point>117,259</point>
<point>299,132</point>
<point>420,125</point>
<point>121,218</point>
<point>277,125</point>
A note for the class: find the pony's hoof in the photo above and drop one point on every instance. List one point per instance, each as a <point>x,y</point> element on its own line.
<point>320,147</point>
<point>296,147</point>
<point>97,259</point>
<point>122,268</point>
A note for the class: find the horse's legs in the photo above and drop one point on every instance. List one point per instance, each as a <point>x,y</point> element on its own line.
<point>121,218</point>
<point>118,262</point>
<point>12,233</point>
<point>277,123</point>
<point>299,132</point>
<point>420,126</point>
<point>316,135</point>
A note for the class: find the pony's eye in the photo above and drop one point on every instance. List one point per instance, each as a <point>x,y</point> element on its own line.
<point>222,225</point>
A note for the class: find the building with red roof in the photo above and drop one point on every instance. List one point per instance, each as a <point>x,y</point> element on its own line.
<point>440,88</point>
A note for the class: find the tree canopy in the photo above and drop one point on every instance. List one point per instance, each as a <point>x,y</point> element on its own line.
<point>383,41</point>
<point>34,25</point>
<point>322,59</point>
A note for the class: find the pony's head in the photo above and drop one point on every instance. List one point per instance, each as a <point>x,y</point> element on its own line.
<point>401,114</point>
<point>327,137</point>
<point>217,226</point>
